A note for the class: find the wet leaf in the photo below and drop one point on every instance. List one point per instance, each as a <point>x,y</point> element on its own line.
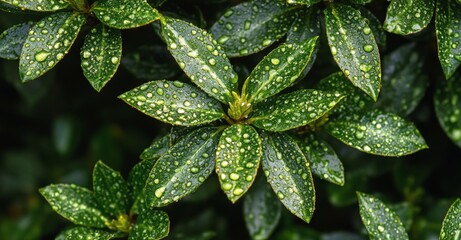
<point>261,210</point>
<point>158,147</point>
<point>408,17</point>
<point>451,227</point>
<point>251,26</point>
<point>278,70</point>
<point>306,26</point>
<point>447,101</point>
<point>377,132</point>
<point>201,58</point>
<point>138,178</point>
<point>237,159</point>
<point>12,39</point>
<point>404,80</point>
<point>177,132</point>
<point>354,47</point>
<point>361,1</point>
<point>48,41</point>
<point>376,27</point>
<point>88,233</point>
<point>174,102</point>
<point>288,173</point>
<point>303,2</point>
<point>293,110</point>
<point>448,27</point>
<point>151,225</point>
<point>74,203</point>
<point>110,190</point>
<point>323,160</point>
<point>183,168</point>
<point>379,220</point>
<point>123,14</point>
<point>39,5</point>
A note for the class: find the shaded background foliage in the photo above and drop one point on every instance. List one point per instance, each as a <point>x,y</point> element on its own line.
<point>56,128</point>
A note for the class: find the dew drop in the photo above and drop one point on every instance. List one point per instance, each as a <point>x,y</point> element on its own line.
<point>275,61</point>
<point>381,228</point>
<point>366,30</point>
<point>159,192</point>
<point>334,51</point>
<point>234,176</point>
<point>368,48</point>
<point>160,91</point>
<point>226,186</point>
<point>238,191</point>
<point>41,56</point>
<point>280,195</point>
<point>114,60</point>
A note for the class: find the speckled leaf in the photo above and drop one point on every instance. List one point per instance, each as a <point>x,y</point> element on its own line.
<point>288,173</point>
<point>380,221</point>
<point>201,58</point>
<point>404,80</point>
<point>48,41</point>
<point>293,110</point>
<point>407,17</point>
<point>447,102</point>
<point>237,159</point>
<point>138,177</point>
<point>360,1</point>
<point>12,39</point>
<point>183,168</point>
<point>110,190</point>
<point>82,233</point>
<point>75,203</point>
<point>251,26</point>
<point>378,133</point>
<point>100,55</point>
<point>39,5</point>
<point>261,210</point>
<point>323,160</point>
<point>376,27</point>
<point>451,226</point>
<point>174,102</point>
<point>157,148</point>
<point>278,70</point>
<point>448,28</point>
<point>306,26</point>
<point>177,132</point>
<point>150,225</point>
<point>6,7</point>
<point>354,47</point>
<point>303,2</point>
<point>123,14</point>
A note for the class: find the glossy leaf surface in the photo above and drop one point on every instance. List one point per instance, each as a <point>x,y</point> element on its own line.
<point>451,227</point>
<point>278,70</point>
<point>303,2</point>
<point>306,26</point>
<point>361,1</point>
<point>12,39</point>
<point>123,14</point>
<point>377,132</point>
<point>87,233</point>
<point>407,17</point>
<point>237,159</point>
<point>48,41</point>
<point>151,225</point>
<point>380,221</point>
<point>448,27</point>
<point>293,110</point>
<point>376,27</point>
<point>138,178</point>
<point>174,102</point>
<point>157,148</point>
<point>288,173</point>
<point>251,26</point>
<point>354,47</point>
<point>39,5</point>
<point>183,168</point>
<point>75,203</point>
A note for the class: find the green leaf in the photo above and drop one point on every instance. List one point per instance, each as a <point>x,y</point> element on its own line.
<point>177,132</point>
<point>77,233</point>
<point>261,210</point>
<point>451,226</point>
<point>378,133</point>
<point>448,26</point>
<point>110,190</point>
<point>447,101</point>
<point>379,220</point>
<point>75,203</point>
<point>201,58</point>
<point>323,160</point>
<point>150,225</point>
<point>101,54</point>
<point>48,41</point>
<point>407,17</point>
<point>183,168</point>
<point>303,2</point>
<point>138,177</point>
<point>174,102</point>
<point>360,1</point>
<point>237,159</point>
<point>39,5</point>
<point>123,14</point>
<point>293,110</point>
<point>404,80</point>
<point>278,70</point>
<point>288,173</point>
<point>251,26</point>
<point>354,47</point>
<point>12,39</point>
<point>376,27</point>
<point>158,147</point>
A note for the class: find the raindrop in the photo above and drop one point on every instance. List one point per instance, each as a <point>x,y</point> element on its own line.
<point>226,186</point>
<point>114,60</point>
<point>41,56</point>
<point>234,176</point>
<point>238,191</point>
<point>368,48</point>
<point>333,51</point>
<point>366,30</point>
<point>275,61</point>
<point>159,192</point>
<point>160,91</point>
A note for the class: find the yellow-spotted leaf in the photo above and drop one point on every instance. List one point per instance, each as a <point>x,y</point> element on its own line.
<point>375,25</point>
<point>39,5</point>
<point>174,102</point>
<point>201,58</point>
<point>237,159</point>
<point>48,41</point>
<point>407,17</point>
<point>451,227</point>
<point>303,2</point>
<point>353,47</point>
<point>88,233</point>
<point>101,54</point>
<point>136,181</point>
<point>150,224</point>
<point>158,147</point>
<point>12,39</point>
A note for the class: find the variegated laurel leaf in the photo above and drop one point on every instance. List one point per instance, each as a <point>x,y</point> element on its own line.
<point>376,27</point>
<point>150,224</point>
<point>361,1</point>
<point>451,227</point>
<point>174,102</point>
<point>408,17</point>
<point>157,148</point>
<point>88,233</point>
<point>303,2</point>
<point>12,39</point>
<point>136,181</point>
<point>39,5</point>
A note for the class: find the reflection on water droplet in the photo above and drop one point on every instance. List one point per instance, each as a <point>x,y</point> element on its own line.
<point>159,192</point>
<point>41,56</point>
<point>368,48</point>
